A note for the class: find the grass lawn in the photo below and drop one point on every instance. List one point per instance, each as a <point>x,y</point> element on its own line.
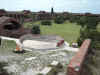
<point>69,31</point>
<point>8,45</point>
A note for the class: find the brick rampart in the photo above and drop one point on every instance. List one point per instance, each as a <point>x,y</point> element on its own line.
<point>75,65</point>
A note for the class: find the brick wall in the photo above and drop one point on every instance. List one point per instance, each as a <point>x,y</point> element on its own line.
<point>75,65</point>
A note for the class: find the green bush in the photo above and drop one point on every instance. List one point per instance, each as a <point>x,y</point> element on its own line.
<point>36,29</point>
<point>46,22</point>
<point>59,20</point>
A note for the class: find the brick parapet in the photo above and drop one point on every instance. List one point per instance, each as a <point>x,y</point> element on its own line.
<point>75,65</point>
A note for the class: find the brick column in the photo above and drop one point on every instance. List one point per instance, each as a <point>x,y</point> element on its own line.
<point>75,66</point>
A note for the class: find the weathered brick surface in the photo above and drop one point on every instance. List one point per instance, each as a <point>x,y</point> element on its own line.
<point>60,43</point>
<point>75,66</point>
<point>16,31</point>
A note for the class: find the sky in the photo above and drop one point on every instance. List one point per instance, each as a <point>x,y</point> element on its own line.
<point>75,6</point>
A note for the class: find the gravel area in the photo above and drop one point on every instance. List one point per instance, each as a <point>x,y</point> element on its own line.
<point>30,63</point>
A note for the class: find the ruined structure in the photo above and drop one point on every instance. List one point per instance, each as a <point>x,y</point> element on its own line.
<point>18,16</point>
<point>2,12</point>
<point>28,16</point>
<point>42,15</point>
<point>26,12</point>
<point>11,28</point>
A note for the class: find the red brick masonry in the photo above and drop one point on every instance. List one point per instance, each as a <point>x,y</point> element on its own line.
<point>75,66</point>
<point>60,43</point>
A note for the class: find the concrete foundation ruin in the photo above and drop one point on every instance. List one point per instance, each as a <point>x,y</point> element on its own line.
<point>41,42</point>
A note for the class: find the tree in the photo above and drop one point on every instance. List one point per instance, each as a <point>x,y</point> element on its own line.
<point>88,29</point>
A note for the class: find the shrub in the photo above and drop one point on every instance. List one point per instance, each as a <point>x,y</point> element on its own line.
<point>46,22</point>
<point>36,29</point>
<point>59,20</point>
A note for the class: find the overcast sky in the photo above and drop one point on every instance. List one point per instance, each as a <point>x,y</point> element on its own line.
<point>82,6</point>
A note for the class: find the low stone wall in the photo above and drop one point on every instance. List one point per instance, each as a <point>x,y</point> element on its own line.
<point>75,66</point>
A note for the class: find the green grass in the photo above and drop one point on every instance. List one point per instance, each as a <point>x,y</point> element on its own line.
<point>28,25</point>
<point>69,31</point>
<point>7,46</point>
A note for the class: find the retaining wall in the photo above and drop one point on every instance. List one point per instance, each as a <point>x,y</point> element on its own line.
<point>75,65</point>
